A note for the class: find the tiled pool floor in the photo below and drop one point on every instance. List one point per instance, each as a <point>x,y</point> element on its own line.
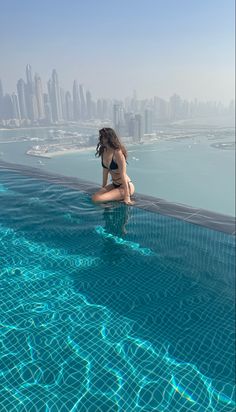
<point>110,308</point>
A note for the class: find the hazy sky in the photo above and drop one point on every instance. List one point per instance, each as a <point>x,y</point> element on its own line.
<point>158,47</point>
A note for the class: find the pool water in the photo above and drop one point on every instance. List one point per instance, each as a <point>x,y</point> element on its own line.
<point>110,307</point>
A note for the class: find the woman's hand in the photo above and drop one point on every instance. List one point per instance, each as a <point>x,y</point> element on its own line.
<point>128,201</point>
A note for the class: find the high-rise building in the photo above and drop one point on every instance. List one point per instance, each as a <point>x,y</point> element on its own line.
<point>94,109</point>
<point>69,106</point>
<point>161,109</point>
<point>117,115</point>
<point>89,104</point>
<point>29,78</point>
<point>31,102</point>
<point>138,128</point>
<point>175,107</point>
<point>118,118</point>
<point>148,114</point>
<point>129,124</point>
<point>105,109</point>
<point>34,106</point>
<point>55,98</point>
<point>63,102</point>
<point>21,91</point>
<point>76,101</point>
<point>82,102</point>
<point>99,109</point>
<point>47,106</point>
<point>39,97</point>
<point>16,108</point>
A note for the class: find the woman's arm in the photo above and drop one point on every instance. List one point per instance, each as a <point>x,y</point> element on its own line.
<point>120,159</point>
<point>104,176</point>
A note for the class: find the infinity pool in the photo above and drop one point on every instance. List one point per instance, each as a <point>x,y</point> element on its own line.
<point>110,307</point>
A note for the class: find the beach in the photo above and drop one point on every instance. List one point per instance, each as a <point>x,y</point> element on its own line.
<point>46,153</point>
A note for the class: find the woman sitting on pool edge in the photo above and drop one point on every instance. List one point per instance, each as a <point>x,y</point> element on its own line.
<point>113,155</point>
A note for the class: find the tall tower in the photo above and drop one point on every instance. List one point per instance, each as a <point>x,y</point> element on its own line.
<point>89,104</point>
<point>118,118</point>
<point>63,103</point>
<point>47,105</point>
<point>39,96</point>
<point>148,121</point>
<point>55,98</point>
<point>138,128</point>
<point>82,102</point>
<point>29,79</point>
<point>175,107</point>
<point>99,109</point>
<point>69,106</point>
<point>76,101</point>
<point>21,91</point>
<point>16,109</point>
<point>30,94</point>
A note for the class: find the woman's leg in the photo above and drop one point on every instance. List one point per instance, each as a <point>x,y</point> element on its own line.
<point>111,194</point>
<point>101,191</point>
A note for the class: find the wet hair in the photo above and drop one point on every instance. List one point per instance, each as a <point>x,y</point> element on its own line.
<point>112,140</point>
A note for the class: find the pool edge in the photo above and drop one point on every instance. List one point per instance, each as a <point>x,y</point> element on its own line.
<point>202,217</point>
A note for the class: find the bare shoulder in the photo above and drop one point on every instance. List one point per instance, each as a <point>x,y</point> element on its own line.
<point>118,154</point>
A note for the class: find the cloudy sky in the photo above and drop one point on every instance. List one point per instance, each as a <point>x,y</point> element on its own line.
<point>157,47</point>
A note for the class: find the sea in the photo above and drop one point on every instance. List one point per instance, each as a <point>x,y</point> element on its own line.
<point>190,164</point>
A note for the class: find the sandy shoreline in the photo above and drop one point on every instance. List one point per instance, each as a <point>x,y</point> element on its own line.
<point>71,151</point>
<point>49,155</point>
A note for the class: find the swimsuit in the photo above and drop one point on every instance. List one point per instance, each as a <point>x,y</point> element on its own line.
<point>113,166</point>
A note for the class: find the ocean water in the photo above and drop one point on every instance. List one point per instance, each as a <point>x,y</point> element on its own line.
<point>191,165</point>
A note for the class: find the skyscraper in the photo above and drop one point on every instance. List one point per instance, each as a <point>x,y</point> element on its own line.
<point>89,104</point>
<point>82,102</point>
<point>69,106</point>
<point>39,97</point>
<point>138,128</point>
<point>21,91</point>
<point>175,107</point>
<point>63,103</point>
<point>99,109</point>
<point>47,105</point>
<point>148,121</point>
<point>16,108</point>
<point>76,101</point>
<point>118,118</point>
<point>31,103</point>
<point>55,98</point>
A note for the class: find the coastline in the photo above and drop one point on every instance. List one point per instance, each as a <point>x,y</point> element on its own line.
<point>49,155</point>
<point>2,129</point>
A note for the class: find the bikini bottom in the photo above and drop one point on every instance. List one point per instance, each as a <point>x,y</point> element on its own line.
<point>118,185</point>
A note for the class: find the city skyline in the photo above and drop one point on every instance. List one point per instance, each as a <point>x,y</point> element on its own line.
<point>31,105</point>
<point>35,74</point>
<point>155,47</point>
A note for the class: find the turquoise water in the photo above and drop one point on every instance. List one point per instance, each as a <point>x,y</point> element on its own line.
<point>111,308</point>
<point>184,166</point>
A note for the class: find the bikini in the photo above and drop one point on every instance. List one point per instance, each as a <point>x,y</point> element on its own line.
<point>113,166</point>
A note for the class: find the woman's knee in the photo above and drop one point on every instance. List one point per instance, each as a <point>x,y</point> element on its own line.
<point>96,197</point>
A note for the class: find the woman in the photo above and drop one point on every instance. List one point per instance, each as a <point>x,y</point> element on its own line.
<point>113,155</point>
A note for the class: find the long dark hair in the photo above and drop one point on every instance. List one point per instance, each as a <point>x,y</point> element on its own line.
<point>112,140</point>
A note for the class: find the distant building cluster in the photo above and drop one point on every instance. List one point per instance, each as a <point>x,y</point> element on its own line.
<point>31,106</point>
